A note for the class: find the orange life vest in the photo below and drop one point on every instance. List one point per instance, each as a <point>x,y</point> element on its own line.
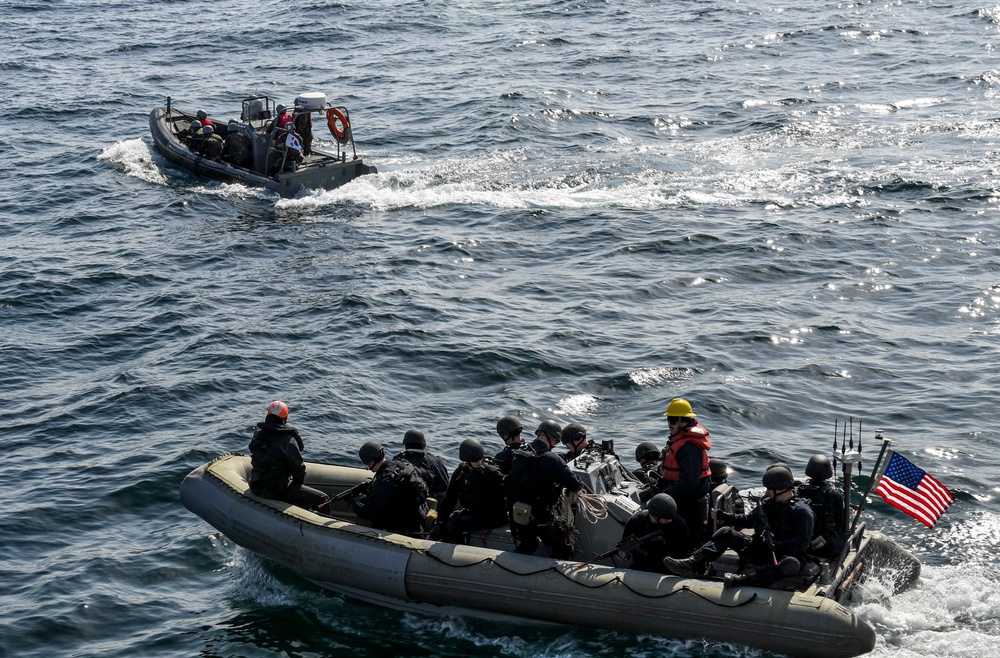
<point>669,469</point>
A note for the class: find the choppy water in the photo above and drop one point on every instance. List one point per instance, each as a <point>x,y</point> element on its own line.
<point>786,213</point>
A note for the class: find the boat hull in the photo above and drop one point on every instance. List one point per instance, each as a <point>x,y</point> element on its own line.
<point>436,577</point>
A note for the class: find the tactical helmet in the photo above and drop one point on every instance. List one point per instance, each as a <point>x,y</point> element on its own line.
<point>233,125</point>
<point>281,108</point>
<point>508,425</point>
<point>208,130</point>
<point>415,439</point>
<point>371,451</point>
<point>202,115</point>
<point>646,450</point>
<point>778,478</point>
<point>574,432</point>
<point>278,408</point>
<point>550,428</point>
<point>470,450</point>
<point>679,407</point>
<point>719,468</point>
<point>819,467</point>
<point>662,506</point>
<point>195,126</point>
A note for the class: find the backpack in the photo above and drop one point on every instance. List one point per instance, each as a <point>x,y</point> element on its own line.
<point>522,485</point>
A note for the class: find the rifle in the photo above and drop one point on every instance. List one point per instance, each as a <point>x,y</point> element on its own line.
<point>627,545</point>
<point>357,489</point>
<point>765,532</point>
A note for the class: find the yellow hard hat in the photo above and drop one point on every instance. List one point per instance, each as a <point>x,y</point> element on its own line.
<point>679,407</point>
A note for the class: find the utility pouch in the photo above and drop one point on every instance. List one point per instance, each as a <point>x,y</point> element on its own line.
<point>521,514</point>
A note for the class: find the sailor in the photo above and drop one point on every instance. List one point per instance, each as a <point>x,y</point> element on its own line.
<point>574,437</point>
<point>429,466</point>
<point>194,128</point>
<point>476,488</point>
<point>236,148</point>
<point>277,469</point>
<point>203,117</point>
<point>303,126</point>
<point>827,503</point>
<point>197,136</point>
<point>509,428</point>
<point>671,536</point>
<point>537,479</point>
<point>397,498</point>
<point>283,118</point>
<point>783,528</point>
<point>684,472</point>
<point>211,144</point>
<point>647,454</point>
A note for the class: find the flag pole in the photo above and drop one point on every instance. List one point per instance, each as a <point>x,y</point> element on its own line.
<point>871,480</point>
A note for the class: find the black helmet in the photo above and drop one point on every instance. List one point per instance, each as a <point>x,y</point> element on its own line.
<point>470,450</point>
<point>415,439</point>
<point>573,432</point>
<point>661,506</point>
<point>508,425</point>
<point>778,478</point>
<point>719,468</point>
<point>819,467</point>
<point>371,451</point>
<point>646,450</point>
<point>551,428</point>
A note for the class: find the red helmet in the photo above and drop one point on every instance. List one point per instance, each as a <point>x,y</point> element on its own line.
<point>278,408</point>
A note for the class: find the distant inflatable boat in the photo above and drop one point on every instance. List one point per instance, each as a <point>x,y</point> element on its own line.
<point>270,166</point>
<point>488,580</point>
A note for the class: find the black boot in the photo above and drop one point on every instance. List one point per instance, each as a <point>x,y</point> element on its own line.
<point>691,567</point>
<point>739,580</point>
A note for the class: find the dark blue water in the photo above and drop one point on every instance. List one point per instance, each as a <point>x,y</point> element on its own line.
<point>787,213</point>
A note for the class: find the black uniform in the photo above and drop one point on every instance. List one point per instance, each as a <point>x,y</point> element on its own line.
<point>396,500</point>
<point>479,494</point>
<point>278,470</point>
<point>791,526</point>
<point>537,478</point>
<point>674,539</point>
<point>430,467</point>
<point>505,457</point>
<point>827,503</point>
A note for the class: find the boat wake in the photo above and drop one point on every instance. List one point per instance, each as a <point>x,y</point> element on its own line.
<point>135,158</point>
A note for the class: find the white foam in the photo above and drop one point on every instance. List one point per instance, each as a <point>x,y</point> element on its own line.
<point>135,158</point>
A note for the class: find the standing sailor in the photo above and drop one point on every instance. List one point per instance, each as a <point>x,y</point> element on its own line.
<point>685,473</point>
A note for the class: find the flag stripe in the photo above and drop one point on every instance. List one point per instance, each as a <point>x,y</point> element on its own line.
<point>913,491</point>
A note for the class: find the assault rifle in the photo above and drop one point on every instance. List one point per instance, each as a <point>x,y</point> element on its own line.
<point>765,532</point>
<point>356,490</point>
<point>627,545</point>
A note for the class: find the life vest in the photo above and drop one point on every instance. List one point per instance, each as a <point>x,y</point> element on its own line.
<point>698,435</point>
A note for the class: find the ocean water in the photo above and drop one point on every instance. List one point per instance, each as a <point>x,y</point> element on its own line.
<point>785,212</point>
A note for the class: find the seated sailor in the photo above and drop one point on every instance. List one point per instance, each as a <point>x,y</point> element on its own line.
<point>397,498</point>
<point>827,503</point>
<point>476,488</point>
<point>655,533</point>
<point>783,527</point>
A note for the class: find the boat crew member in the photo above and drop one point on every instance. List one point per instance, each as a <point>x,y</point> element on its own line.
<point>537,478</point>
<point>671,535</point>
<point>197,137</point>
<point>203,117</point>
<point>648,455</point>
<point>783,528</point>
<point>211,144</point>
<point>236,148</point>
<point>429,466</point>
<point>574,437</point>
<point>277,469</point>
<point>280,122</point>
<point>509,428</point>
<point>476,488</point>
<point>194,128</point>
<point>397,498</point>
<point>684,472</point>
<point>827,503</point>
<point>303,126</point>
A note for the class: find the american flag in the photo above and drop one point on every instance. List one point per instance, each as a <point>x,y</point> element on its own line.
<point>912,490</point>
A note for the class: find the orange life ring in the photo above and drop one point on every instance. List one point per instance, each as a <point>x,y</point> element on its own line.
<point>333,115</point>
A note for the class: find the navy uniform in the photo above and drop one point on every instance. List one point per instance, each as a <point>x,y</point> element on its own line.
<point>477,490</point>
<point>396,500</point>
<point>430,467</point>
<point>277,468</point>
<point>671,537</point>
